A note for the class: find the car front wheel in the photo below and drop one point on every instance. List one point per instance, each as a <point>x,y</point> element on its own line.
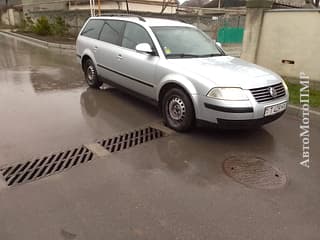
<point>177,110</point>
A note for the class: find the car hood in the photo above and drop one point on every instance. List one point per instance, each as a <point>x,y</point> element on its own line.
<point>226,71</point>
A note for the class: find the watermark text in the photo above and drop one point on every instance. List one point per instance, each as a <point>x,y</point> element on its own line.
<point>305,121</point>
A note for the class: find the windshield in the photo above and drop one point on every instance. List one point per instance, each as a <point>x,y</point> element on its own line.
<point>185,42</point>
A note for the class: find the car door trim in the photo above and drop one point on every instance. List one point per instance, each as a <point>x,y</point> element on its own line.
<point>127,76</point>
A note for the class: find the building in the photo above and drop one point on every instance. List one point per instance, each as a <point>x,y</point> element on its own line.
<point>153,6</point>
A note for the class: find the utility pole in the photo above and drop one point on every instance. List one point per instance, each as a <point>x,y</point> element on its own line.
<point>99,7</point>
<point>92,8</point>
<point>127,4</point>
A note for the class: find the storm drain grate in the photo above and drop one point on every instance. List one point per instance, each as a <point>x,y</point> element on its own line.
<point>55,163</point>
<point>254,172</point>
<point>131,139</point>
<point>45,166</point>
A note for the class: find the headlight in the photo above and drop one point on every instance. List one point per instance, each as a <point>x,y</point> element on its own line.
<point>234,94</point>
<point>285,85</point>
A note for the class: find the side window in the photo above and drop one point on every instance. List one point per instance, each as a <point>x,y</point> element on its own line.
<point>92,29</point>
<point>135,34</point>
<point>111,31</point>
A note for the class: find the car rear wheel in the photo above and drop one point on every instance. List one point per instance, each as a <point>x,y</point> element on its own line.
<point>91,75</point>
<point>177,110</point>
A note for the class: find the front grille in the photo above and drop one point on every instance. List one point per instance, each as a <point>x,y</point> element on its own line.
<point>263,94</point>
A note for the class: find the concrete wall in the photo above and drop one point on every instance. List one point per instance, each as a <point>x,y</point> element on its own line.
<point>11,17</point>
<point>36,5</point>
<point>290,42</point>
<point>76,18</point>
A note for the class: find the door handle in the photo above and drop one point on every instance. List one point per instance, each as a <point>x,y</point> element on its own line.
<point>119,57</point>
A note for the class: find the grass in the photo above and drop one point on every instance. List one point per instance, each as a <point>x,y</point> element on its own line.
<point>294,90</point>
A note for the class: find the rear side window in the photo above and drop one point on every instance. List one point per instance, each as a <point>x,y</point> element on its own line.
<point>111,31</point>
<point>135,34</point>
<point>93,28</point>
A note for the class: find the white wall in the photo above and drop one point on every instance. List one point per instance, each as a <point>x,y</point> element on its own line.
<point>290,35</point>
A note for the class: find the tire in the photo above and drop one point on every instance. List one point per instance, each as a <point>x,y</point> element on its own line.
<point>91,75</point>
<point>178,110</point>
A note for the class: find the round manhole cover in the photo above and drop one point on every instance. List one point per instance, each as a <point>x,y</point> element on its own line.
<point>254,172</point>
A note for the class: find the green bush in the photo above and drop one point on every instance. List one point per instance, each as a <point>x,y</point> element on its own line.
<point>59,26</point>
<point>42,26</point>
<point>26,24</point>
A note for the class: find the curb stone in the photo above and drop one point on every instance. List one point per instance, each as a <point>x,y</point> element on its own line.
<point>297,112</point>
<point>39,42</point>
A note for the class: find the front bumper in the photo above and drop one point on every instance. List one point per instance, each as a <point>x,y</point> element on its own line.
<point>235,113</point>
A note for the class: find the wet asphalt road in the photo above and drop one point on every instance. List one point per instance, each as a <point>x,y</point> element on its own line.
<point>170,188</point>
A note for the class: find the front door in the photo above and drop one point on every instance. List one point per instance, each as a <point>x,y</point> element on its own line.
<point>139,68</point>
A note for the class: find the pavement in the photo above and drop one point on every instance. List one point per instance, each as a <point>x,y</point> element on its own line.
<point>173,187</point>
<point>233,49</point>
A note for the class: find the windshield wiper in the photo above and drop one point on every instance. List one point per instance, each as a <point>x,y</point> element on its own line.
<point>211,55</point>
<point>181,55</point>
<point>187,55</point>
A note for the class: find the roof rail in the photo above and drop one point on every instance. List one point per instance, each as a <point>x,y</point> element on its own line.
<point>123,15</point>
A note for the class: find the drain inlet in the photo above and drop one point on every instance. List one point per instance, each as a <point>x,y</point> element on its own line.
<point>45,166</point>
<point>131,139</point>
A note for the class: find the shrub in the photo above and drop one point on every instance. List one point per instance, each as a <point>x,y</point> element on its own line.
<point>42,26</point>
<point>59,26</point>
<point>27,24</point>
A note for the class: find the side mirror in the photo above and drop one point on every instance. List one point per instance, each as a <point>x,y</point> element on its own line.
<point>219,45</point>
<point>144,48</point>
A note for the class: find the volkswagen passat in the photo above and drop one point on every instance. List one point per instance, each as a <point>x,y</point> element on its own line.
<point>181,69</point>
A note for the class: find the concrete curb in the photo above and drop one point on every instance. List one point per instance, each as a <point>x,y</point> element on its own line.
<point>39,42</point>
<point>297,112</point>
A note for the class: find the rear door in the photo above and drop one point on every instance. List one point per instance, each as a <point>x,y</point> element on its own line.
<point>88,38</point>
<point>139,68</point>
<point>107,51</point>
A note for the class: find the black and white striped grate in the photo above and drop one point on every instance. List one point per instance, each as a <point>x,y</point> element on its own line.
<point>131,139</point>
<point>32,170</point>
<point>45,166</point>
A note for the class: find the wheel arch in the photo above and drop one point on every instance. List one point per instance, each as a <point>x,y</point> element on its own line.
<point>189,90</point>
<point>87,55</point>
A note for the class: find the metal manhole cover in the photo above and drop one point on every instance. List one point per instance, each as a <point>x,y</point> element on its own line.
<point>254,172</point>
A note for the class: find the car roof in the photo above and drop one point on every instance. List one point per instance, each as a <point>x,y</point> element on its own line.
<point>151,22</point>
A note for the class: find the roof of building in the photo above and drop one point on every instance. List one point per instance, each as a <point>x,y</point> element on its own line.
<point>288,3</point>
<point>225,3</point>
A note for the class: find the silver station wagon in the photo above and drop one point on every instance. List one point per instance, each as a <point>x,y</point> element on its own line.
<point>181,69</point>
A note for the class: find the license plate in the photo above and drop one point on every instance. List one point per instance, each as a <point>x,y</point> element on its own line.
<point>271,110</point>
